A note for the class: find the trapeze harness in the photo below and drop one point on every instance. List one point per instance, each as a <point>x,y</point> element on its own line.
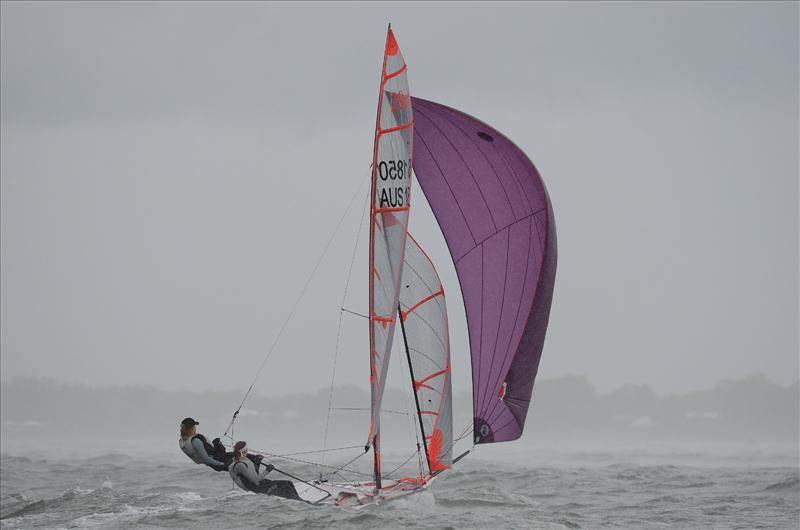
<point>197,448</point>
<point>245,474</point>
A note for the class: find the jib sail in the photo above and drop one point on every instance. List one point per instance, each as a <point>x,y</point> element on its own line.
<point>423,314</point>
<point>496,216</point>
<point>391,185</point>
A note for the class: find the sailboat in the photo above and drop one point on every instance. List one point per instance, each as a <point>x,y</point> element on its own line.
<point>495,214</point>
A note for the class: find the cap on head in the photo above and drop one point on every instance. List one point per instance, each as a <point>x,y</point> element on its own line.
<point>240,446</point>
<point>189,422</point>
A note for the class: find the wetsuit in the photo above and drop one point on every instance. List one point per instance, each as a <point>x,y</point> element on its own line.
<point>200,451</point>
<point>245,474</point>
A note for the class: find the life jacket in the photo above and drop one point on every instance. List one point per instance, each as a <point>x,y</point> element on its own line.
<point>241,481</point>
<point>188,449</point>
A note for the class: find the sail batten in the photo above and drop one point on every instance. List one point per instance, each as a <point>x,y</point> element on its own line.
<point>495,214</point>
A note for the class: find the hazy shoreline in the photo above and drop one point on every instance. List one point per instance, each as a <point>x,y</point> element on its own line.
<point>567,414</point>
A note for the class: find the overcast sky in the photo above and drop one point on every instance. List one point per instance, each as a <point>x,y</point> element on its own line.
<point>171,172</point>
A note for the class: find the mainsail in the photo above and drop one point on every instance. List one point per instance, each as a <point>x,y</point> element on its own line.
<point>496,216</point>
<point>391,184</point>
<point>423,315</point>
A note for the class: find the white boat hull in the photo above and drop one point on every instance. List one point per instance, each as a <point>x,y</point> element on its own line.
<point>357,495</point>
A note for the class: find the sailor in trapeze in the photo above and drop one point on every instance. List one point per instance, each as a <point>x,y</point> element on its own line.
<point>196,447</point>
<point>245,473</point>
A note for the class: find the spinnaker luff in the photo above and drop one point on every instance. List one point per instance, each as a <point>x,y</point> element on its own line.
<point>496,217</point>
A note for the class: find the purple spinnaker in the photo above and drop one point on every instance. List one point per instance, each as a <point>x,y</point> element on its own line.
<point>494,211</point>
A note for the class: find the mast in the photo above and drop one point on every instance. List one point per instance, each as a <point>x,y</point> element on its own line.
<point>390,198</point>
<point>375,421</point>
<point>376,461</point>
<point>413,390</point>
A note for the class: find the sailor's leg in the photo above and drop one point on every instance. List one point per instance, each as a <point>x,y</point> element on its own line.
<point>278,488</point>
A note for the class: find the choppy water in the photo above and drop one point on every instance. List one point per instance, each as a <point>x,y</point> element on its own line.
<point>587,491</point>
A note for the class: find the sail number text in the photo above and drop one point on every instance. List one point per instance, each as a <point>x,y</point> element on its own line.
<point>393,190</point>
<point>394,169</point>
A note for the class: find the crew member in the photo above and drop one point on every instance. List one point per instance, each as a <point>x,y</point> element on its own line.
<point>246,475</point>
<point>196,447</point>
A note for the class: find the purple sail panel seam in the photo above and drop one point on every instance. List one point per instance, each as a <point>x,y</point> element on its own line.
<point>504,371</point>
<point>538,280</point>
<point>531,202</point>
<point>458,153</point>
<point>491,236</point>
<point>464,115</point>
<point>493,382</point>
<point>516,179</point>
<point>480,327</point>
<point>466,223</point>
<point>488,162</point>
<point>516,322</point>
<point>524,161</point>
<point>486,390</point>
<point>510,420</point>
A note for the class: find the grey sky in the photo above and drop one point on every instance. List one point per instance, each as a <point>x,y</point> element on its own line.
<point>170,173</point>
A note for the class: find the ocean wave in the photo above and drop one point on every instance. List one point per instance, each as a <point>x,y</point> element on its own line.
<point>790,484</point>
<point>473,503</point>
<point>110,458</point>
<point>103,504</point>
<point>146,495</point>
<point>9,459</point>
<point>664,499</point>
<point>700,484</point>
<point>31,508</point>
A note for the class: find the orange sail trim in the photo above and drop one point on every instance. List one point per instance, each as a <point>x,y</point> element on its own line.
<point>394,129</point>
<point>391,44</point>
<point>435,452</point>
<point>395,209</point>
<point>419,384</point>
<point>384,321</point>
<point>405,314</point>
<point>396,73</point>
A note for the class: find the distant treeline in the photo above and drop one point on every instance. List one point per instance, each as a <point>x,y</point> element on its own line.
<point>749,410</point>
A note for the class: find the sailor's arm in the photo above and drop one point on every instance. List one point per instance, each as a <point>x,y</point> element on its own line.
<point>247,472</point>
<point>201,452</point>
<point>265,471</point>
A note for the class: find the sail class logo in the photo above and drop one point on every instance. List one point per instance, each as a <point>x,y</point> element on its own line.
<point>400,101</point>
